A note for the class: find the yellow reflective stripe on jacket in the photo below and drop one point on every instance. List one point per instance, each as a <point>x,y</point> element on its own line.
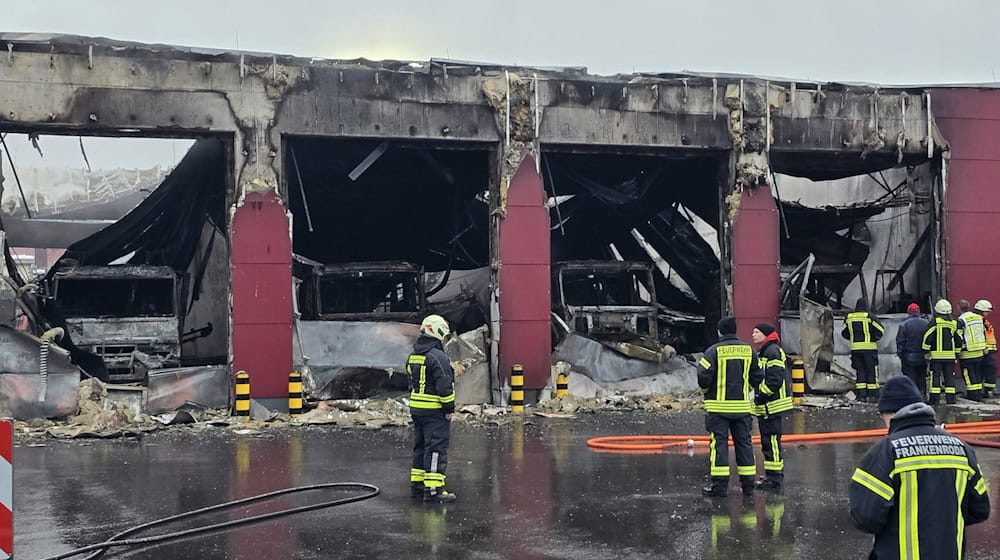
<point>973,335</point>
<point>981,486</point>
<point>782,404</point>
<point>728,407</point>
<point>863,321</point>
<point>942,331</point>
<point>871,482</point>
<point>419,397</point>
<point>705,363</point>
<point>923,462</point>
<point>909,539</point>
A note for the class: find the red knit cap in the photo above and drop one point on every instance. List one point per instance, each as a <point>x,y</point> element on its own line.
<point>913,309</point>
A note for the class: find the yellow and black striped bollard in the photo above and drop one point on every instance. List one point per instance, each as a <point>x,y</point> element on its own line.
<point>243,395</point>
<point>294,394</point>
<point>517,388</point>
<point>562,385</point>
<point>798,381</point>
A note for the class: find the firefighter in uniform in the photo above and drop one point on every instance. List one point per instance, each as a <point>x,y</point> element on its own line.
<point>918,487</point>
<point>989,364</point>
<point>864,331</point>
<point>909,347</point>
<point>942,342</point>
<point>772,401</point>
<point>970,356</point>
<point>432,400</point>
<point>726,373</point>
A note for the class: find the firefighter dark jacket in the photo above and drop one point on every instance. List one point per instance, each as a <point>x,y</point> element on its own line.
<point>728,370</point>
<point>917,489</point>
<point>432,381</point>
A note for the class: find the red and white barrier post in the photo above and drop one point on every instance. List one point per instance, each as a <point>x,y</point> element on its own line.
<point>6,489</point>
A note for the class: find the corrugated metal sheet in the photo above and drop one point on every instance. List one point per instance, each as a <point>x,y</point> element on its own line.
<point>756,261</point>
<point>525,285</point>
<point>261,292</point>
<point>970,121</point>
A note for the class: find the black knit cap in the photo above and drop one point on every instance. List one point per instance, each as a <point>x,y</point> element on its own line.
<point>727,325</point>
<point>764,328</point>
<point>897,393</point>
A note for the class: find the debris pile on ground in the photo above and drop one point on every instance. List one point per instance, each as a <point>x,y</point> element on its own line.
<point>358,413</point>
<point>647,403</point>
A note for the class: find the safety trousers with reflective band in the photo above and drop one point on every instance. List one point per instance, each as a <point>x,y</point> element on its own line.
<point>865,364</point>
<point>942,377</point>
<point>988,371</point>
<point>431,436</point>
<point>970,372</point>
<point>770,443</point>
<point>719,428</point>
<point>419,397</point>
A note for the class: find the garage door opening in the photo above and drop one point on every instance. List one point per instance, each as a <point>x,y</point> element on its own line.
<point>642,225</point>
<point>384,233</point>
<point>128,244</point>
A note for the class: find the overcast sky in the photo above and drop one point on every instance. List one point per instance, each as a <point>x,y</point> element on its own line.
<point>890,42</point>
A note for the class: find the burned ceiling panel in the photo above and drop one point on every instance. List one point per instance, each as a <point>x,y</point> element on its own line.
<point>365,200</point>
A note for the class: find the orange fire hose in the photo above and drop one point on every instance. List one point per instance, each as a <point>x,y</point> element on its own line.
<point>657,444</point>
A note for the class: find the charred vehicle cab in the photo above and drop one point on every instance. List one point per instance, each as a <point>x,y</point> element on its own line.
<point>126,314</point>
<point>606,299</point>
<point>370,291</point>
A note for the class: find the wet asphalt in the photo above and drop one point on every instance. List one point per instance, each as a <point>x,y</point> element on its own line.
<point>527,490</point>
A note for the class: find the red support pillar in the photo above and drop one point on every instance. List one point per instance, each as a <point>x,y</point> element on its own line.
<point>970,121</point>
<point>756,261</point>
<point>524,279</point>
<point>262,294</point>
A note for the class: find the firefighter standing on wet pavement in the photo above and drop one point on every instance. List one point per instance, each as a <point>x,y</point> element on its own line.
<point>972,330</point>
<point>942,341</point>
<point>864,331</point>
<point>909,347</point>
<point>988,367</point>
<point>918,487</point>
<point>432,401</point>
<point>727,371</point>
<point>772,402</point>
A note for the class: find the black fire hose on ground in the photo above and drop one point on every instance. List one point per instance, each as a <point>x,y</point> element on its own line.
<point>116,541</point>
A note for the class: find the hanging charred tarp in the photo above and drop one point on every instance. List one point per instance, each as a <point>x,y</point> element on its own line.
<point>166,227</point>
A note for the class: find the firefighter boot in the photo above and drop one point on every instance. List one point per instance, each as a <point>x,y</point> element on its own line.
<point>746,482</point>
<point>934,399</point>
<point>861,395</point>
<point>874,394</point>
<point>768,484</point>
<point>974,396</point>
<point>951,398</point>
<point>438,496</point>
<point>417,490</point>
<point>716,488</point>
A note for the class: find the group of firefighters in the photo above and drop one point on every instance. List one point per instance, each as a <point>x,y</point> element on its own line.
<point>915,490</point>
<point>917,467</point>
<point>921,343</point>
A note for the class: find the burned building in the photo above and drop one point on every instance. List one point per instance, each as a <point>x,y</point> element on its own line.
<point>714,182</point>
